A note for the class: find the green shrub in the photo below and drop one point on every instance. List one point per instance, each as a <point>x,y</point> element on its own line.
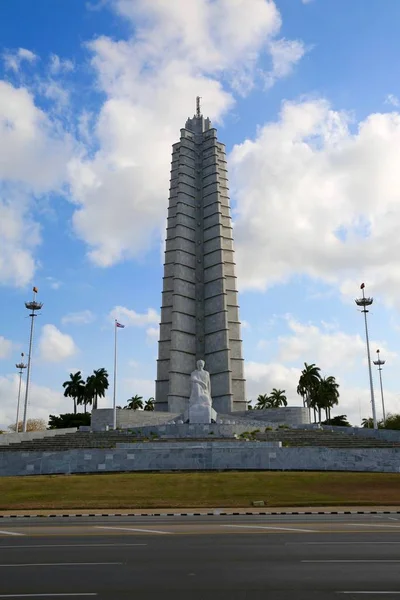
<point>392,422</point>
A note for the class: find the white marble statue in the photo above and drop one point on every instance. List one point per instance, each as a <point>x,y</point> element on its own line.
<point>200,402</point>
<point>201,386</point>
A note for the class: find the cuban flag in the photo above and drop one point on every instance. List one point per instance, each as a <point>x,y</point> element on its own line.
<point>119,325</point>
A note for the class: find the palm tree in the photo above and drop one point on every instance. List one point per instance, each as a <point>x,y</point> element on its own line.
<point>308,382</point>
<point>135,403</point>
<point>262,401</point>
<point>149,404</point>
<point>325,396</point>
<point>332,393</point>
<point>96,385</point>
<point>74,388</point>
<point>277,398</point>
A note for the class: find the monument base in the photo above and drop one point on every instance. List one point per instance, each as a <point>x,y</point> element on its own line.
<point>200,413</point>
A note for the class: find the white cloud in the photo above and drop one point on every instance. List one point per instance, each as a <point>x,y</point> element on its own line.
<point>19,235</point>
<point>181,50</point>
<point>42,401</point>
<point>33,155</point>
<point>152,334</point>
<point>132,386</point>
<point>5,347</point>
<point>325,346</point>
<point>55,346</point>
<point>355,402</point>
<point>127,316</point>
<point>262,377</point>
<point>393,100</point>
<point>58,65</point>
<point>316,197</point>
<point>285,55</point>
<point>13,60</point>
<point>82,317</point>
<point>54,283</point>
<point>336,353</point>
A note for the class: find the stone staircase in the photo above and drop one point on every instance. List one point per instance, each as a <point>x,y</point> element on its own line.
<point>109,439</point>
<point>326,439</point>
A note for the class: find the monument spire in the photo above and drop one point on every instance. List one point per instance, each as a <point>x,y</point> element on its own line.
<point>198,109</point>
<point>200,312</point>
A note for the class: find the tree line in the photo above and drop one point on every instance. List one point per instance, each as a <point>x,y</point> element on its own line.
<point>318,394</point>
<point>88,392</point>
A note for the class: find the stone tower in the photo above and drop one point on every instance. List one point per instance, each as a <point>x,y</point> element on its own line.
<point>200,312</point>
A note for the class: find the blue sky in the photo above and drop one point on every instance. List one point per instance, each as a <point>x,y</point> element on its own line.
<point>305,97</point>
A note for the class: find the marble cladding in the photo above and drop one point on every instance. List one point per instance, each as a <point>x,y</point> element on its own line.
<point>290,415</point>
<point>12,438</point>
<point>199,314</point>
<point>249,420</point>
<point>200,456</point>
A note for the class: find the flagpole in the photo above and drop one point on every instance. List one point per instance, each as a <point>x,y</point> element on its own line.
<point>115,377</point>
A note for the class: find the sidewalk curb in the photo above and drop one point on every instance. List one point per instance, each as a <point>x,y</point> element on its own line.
<point>215,513</point>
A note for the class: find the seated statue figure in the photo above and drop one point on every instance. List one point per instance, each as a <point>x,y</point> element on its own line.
<point>200,409</point>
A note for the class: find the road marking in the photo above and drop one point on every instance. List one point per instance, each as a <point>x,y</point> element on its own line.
<point>326,543</point>
<point>362,593</point>
<point>371,525</point>
<point>133,529</point>
<point>71,564</point>
<point>352,561</point>
<point>274,528</point>
<point>10,533</point>
<point>68,546</point>
<point>46,595</point>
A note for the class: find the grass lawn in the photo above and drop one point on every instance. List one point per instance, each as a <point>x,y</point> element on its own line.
<point>179,490</point>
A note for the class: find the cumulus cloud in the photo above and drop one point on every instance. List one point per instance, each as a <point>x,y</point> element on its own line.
<point>130,317</point>
<point>5,347</point>
<point>58,65</point>
<point>262,377</point>
<point>335,352</point>
<point>328,347</point>
<point>152,334</point>
<point>142,387</point>
<point>178,50</point>
<point>285,54</point>
<point>393,100</point>
<point>83,317</point>
<point>318,197</point>
<point>13,59</point>
<point>55,346</point>
<point>33,155</point>
<point>42,401</point>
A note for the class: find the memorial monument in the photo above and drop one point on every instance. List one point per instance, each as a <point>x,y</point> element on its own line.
<point>200,312</point>
<point>200,408</point>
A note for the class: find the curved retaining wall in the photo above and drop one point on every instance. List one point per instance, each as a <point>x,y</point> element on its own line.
<point>182,456</point>
<point>289,415</point>
<point>14,438</point>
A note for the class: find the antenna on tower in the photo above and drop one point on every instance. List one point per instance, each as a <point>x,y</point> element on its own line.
<point>198,109</point>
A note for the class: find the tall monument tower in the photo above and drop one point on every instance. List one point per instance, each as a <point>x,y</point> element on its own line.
<point>200,312</point>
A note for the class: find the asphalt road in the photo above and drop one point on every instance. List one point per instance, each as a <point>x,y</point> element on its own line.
<point>281,558</point>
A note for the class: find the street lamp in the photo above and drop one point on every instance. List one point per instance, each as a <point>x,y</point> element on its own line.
<point>33,306</point>
<point>21,366</point>
<point>364,302</point>
<point>379,364</point>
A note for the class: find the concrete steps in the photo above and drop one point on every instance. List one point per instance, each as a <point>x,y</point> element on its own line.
<point>288,437</point>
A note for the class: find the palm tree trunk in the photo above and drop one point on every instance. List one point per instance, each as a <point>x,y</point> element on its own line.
<point>74,406</point>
